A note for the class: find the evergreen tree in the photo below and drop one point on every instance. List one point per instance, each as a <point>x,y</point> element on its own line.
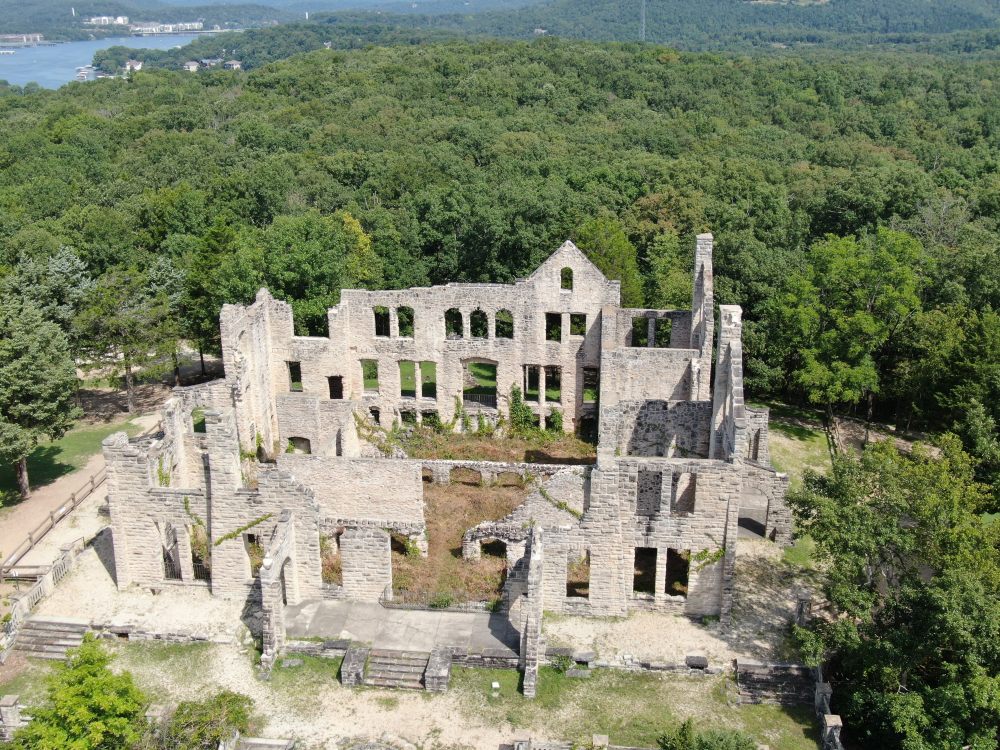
<point>37,383</point>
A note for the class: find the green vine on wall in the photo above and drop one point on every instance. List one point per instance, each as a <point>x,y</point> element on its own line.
<point>386,442</point>
<point>161,475</point>
<point>559,504</point>
<point>708,557</point>
<point>241,529</point>
<point>187,507</point>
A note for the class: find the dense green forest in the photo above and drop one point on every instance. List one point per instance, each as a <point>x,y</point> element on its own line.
<point>704,25</point>
<point>54,18</point>
<point>855,200</point>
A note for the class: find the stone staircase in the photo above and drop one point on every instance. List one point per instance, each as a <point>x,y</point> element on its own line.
<point>396,669</point>
<point>782,683</point>
<point>49,637</point>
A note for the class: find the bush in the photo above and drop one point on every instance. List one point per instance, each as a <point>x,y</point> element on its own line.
<point>554,422</point>
<point>202,725</point>
<point>561,662</point>
<point>522,421</point>
<point>684,737</point>
<point>92,708</point>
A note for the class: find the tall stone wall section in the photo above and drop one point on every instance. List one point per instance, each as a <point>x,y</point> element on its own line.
<point>349,490</point>
<point>532,649</point>
<point>367,563</point>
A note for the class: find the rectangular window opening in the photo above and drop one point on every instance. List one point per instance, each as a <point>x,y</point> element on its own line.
<point>644,571</point>
<point>200,553</point>
<point>381,320</point>
<point>553,326</point>
<point>404,315</point>
<point>661,335</point>
<point>683,493</point>
<point>408,379</point>
<point>408,417</point>
<point>336,386</point>
<point>578,324</point>
<point>648,494</point>
<point>369,370</point>
<point>640,332</point>
<point>376,415</point>
<point>428,380</point>
<point>553,383</point>
<point>295,376</point>
<point>578,575</point>
<point>504,325</point>
<point>531,383</point>
<point>591,384</point>
<point>678,568</point>
<point>431,420</point>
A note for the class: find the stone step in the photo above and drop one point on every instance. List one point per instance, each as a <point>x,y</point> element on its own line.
<point>63,642</point>
<point>390,663</point>
<point>55,656</point>
<point>41,622</point>
<point>390,654</point>
<point>395,671</point>
<point>389,682</point>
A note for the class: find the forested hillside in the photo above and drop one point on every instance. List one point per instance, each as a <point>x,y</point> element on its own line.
<point>710,24</point>
<point>474,161</point>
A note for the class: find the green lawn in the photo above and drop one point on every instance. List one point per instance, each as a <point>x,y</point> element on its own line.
<point>408,379</point>
<point>633,709</point>
<point>428,379</point>
<point>795,448</point>
<point>51,460</point>
<point>486,379</point>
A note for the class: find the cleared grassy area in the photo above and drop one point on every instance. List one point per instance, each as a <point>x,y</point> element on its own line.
<point>633,709</point>
<point>797,441</point>
<point>486,379</point>
<point>801,554</point>
<point>54,459</point>
<point>408,379</point>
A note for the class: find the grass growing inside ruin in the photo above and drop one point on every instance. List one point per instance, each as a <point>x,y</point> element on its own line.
<point>451,509</point>
<point>543,448</point>
<point>633,709</point>
<point>26,678</point>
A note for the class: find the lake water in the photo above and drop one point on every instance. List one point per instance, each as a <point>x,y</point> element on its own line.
<point>51,67</point>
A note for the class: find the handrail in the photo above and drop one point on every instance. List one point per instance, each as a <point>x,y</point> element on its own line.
<point>55,516</point>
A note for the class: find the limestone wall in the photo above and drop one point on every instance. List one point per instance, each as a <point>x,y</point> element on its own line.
<point>367,563</point>
<point>361,489</point>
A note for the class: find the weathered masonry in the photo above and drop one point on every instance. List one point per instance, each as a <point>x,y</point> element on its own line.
<point>682,467</point>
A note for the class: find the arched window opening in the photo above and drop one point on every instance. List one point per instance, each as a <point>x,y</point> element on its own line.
<point>479,324</point>
<point>567,278</point>
<point>453,323</point>
<point>504,325</point>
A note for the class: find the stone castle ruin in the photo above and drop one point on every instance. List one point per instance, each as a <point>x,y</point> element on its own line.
<point>682,463</point>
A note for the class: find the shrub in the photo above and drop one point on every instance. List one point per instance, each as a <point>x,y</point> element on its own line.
<point>684,737</point>
<point>554,423</point>
<point>92,708</point>
<point>561,662</point>
<point>202,725</point>
<point>522,421</point>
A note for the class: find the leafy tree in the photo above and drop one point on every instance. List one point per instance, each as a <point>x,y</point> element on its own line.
<point>854,297</point>
<point>92,708</point>
<point>668,283</point>
<point>605,243</point>
<point>202,299</point>
<point>914,568</point>
<point>37,383</point>
<point>126,325</point>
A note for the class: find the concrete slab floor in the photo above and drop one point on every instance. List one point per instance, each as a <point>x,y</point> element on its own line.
<point>399,629</point>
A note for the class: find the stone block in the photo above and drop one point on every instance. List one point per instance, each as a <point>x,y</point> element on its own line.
<point>600,740</point>
<point>582,657</point>
<point>582,674</point>
<point>292,663</point>
<point>338,644</point>
<point>696,660</point>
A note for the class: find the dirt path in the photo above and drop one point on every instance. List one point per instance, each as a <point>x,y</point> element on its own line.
<point>17,522</point>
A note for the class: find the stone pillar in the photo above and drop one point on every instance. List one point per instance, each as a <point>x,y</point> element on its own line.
<point>651,333</point>
<point>491,324</point>
<point>466,322</point>
<point>472,549</point>
<point>661,568</point>
<point>824,693</point>
<point>184,552</point>
<point>541,396</point>
<point>10,717</point>
<point>832,725</point>
<point>441,474</point>
<point>728,380</point>
<point>393,322</point>
<point>367,563</point>
<point>532,640</point>
<point>419,540</point>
